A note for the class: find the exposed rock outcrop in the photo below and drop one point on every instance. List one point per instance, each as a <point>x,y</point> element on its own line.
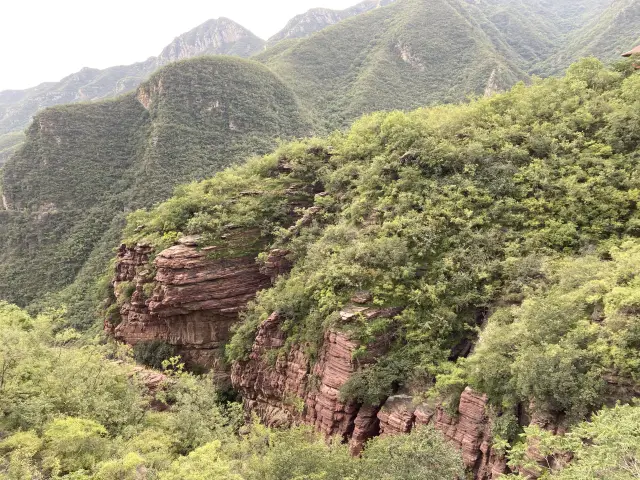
<point>283,388</point>
<point>190,301</point>
<point>470,430</point>
<point>318,19</point>
<point>220,36</point>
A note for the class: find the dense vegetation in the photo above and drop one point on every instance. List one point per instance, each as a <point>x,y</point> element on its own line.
<point>84,166</point>
<point>414,53</point>
<point>9,142</point>
<point>517,212</point>
<point>214,37</point>
<point>503,232</point>
<point>76,410</point>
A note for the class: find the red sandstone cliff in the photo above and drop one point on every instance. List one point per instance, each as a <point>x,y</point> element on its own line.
<point>288,390</point>
<point>190,301</point>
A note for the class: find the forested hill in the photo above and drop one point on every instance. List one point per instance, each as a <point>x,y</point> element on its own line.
<point>375,55</point>
<point>491,245</point>
<point>419,52</point>
<point>214,37</point>
<point>84,166</point>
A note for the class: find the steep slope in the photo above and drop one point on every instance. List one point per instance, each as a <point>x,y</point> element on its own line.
<point>215,37</point>
<point>516,215</point>
<point>606,36</point>
<point>317,19</point>
<point>82,167</point>
<point>9,143</point>
<point>407,54</point>
<point>416,52</point>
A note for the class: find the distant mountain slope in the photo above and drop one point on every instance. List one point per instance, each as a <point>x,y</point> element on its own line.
<point>221,36</point>
<point>419,52</point>
<point>408,54</point>
<point>214,37</point>
<point>317,19</point>
<point>605,36</point>
<point>83,166</point>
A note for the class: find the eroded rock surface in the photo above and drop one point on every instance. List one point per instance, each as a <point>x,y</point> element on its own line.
<point>187,300</point>
<point>283,388</point>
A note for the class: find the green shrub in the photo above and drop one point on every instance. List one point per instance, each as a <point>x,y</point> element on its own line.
<point>423,454</point>
<point>153,353</point>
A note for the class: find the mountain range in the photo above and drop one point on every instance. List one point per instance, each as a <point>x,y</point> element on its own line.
<point>379,221</point>
<point>331,66</point>
<point>503,41</point>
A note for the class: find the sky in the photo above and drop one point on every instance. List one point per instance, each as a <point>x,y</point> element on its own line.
<point>46,40</point>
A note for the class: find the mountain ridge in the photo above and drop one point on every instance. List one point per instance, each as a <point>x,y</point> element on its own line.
<point>215,36</point>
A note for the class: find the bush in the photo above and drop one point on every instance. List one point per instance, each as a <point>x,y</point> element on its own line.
<point>153,353</point>
<point>423,454</point>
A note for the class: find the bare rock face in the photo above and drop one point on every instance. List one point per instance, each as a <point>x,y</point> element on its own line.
<point>283,388</point>
<point>470,430</point>
<point>190,301</point>
<point>276,264</point>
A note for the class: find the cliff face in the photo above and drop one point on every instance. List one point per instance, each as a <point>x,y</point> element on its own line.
<point>190,301</point>
<point>284,388</point>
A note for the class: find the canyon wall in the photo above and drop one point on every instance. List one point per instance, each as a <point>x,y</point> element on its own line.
<point>186,297</point>
<point>285,388</point>
<point>190,300</point>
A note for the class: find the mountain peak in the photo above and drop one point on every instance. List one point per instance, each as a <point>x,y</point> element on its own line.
<point>316,19</point>
<point>221,36</point>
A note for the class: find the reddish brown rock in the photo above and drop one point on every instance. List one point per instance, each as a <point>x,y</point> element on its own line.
<point>334,367</point>
<point>365,426</point>
<point>470,430</point>
<point>284,389</point>
<point>190,302</point>
<point>397,415</point>
<point>276,264</point>
<point>271,385</point>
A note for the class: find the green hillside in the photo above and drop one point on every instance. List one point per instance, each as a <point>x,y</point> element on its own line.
<point>420,52</point>
<point>214,37</point>
<point>605,36</point>
<point>83,167</point>
<point>515,213</point>
<point>9,142</point>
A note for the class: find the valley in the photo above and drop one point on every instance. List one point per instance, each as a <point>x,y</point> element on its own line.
<point>409,226</point>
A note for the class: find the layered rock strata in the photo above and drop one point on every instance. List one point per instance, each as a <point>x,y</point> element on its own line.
<point>284,388</point>
<point>186,299</point>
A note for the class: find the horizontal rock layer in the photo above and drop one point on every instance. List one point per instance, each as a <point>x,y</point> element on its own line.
<point>283,388</point>
<point>190,302</point>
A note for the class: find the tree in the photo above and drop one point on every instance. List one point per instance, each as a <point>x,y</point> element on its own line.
<point>421,455</point>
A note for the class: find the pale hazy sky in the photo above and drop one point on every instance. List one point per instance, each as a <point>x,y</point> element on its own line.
<point>45,40</point>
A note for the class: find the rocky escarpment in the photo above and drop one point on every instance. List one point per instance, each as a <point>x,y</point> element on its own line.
<point>184,298</point>
<point>286,387</point>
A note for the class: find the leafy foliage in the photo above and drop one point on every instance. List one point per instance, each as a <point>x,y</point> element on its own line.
<point>607,447</point>
<point>560,345</point>
<point>83,166</point>
<point>153,353</point>
<point>196,436</point>
<point>440,213</point>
